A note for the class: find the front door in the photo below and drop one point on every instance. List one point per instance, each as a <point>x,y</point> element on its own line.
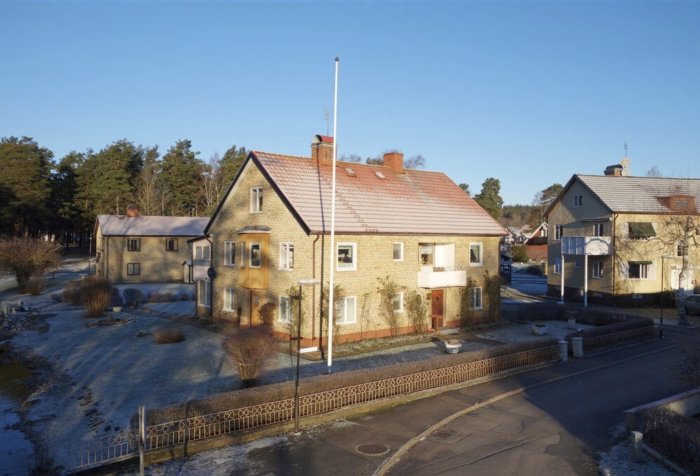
<point>436,307</point>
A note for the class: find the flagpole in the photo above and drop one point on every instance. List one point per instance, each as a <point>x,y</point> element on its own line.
<point>332,254</point>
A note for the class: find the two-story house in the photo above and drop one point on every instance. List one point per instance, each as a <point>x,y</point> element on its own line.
<point>623,238</point>
<point>272,228</point>
<point>144,249</point>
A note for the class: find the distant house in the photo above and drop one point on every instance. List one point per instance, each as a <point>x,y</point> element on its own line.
<point>623,238</point>
<point>536,243</point>
<point>144,249</point>
<point>417,229</point>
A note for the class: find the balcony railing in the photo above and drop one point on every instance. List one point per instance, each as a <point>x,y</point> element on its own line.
<point>587,245</point>
<point>441,277</point>
<point>200,268</point>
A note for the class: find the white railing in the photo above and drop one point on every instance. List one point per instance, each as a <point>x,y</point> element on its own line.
<point>441,277</point>
<point>587,245</point>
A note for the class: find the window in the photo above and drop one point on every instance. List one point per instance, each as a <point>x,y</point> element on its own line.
<point>347,257</point>
<point>242,254</point>
<point>229,299</point>
<point>285,310</point>
<point>229,253</point>
<point>133,269</point>
<point>397,302</point>
<point>426,254</point>
<point>598,269</point>
<point>558,232</point>
<point>475,301</point>
<point>345,310</point>
<point>681,249</point>
<point>641,230</point>
<point>256,200</point>
<point>577,263</point>
<point>475,257</point>
<point>599,229</point>
<point>133,244</point>
<point>255,255</point>
<point>204,293</point>
<point>171,244</point>
<point>202,252</point>
<point>287,256</point>
<point>638,270</point>
<point>397,251</point>
<point>557,266</point>
<point>578,200</point>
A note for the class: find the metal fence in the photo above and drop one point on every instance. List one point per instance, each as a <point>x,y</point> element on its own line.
<point>605,340</point>
<point>123,446</point>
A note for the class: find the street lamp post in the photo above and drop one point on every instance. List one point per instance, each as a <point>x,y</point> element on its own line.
<point>302,283</point>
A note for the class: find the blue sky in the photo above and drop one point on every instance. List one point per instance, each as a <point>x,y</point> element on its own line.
<point>529,93</point>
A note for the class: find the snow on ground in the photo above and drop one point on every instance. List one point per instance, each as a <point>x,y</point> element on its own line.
<point>16,451</point>
<point>619,461</point>
<point>523,332</point>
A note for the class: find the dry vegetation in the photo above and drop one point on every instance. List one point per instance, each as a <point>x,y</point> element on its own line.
<point>93,293</point>
<point>250,348</point>
<point>168,336</point>
<point>27,259</point>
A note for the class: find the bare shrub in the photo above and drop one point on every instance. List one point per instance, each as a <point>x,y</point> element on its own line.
<point>687,370</point>
<point>387,289</point>
<point>71,293</point>
<point>492,291</point>
<point>26,258</point>
<point>417,310</point>
<point>267,314</point>
<point>250,348</point>
<point>35,285</point>
<point>133,297</point>
<point>338,295</point>
<point>168,336</point>
<point>162,297</point>
<point>96,295</point>
<point>673,435</point>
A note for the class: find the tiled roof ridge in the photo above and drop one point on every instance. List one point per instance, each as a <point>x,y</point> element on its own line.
<point>643,177</point>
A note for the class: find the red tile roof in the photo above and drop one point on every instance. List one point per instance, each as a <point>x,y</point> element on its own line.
<point>414,202</point>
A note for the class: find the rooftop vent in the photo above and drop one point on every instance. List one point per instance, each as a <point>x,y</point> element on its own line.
<point>350,172</point>
<point>379,174</point>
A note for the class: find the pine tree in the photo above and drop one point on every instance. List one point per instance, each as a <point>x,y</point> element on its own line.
<point>490,197</point>
<point>181,178</point>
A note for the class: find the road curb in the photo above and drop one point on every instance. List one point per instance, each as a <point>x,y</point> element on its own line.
<point>396,456</point>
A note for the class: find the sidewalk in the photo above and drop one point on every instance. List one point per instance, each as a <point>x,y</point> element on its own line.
<point>335,448</point>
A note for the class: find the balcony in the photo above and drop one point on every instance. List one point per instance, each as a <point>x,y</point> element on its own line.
<point>431,277</point>
<point>200,268</point>
<point>587,245</point>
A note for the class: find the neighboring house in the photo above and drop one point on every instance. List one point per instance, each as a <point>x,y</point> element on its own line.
<point>272,229</point>
<point>145,249</point>
<point>536,243</point>
<point>615,236</point>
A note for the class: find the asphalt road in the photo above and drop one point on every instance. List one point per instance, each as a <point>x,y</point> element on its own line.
<point>558,418</point>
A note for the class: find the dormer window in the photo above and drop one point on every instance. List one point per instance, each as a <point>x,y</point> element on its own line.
<point>256,200</point>
<point>681,203</point>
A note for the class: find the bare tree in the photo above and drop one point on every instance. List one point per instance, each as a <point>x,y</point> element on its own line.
<point>415,162</point>
<point>211,183</point>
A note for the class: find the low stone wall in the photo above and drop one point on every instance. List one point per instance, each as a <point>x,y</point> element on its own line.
<point>685,404</point>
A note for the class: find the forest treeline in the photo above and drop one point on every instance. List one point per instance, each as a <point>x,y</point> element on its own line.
<point>41,196</point>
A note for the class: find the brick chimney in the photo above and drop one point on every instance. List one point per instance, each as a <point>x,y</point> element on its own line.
<point>394,160</point>
<point>132,211</point>
<point>322,149</point>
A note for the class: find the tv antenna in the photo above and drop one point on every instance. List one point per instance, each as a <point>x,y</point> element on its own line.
<point>327,118</point>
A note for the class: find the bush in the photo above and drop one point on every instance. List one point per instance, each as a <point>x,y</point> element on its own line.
<point>96,295</point>
<point>673,435</point>
<point>387,289</point>
<point>519,254</point>
<point>35,285</point>
<point>250,348</point>
<point>116,298</point>
<point>133,297</point>
<point>168,336</point>
<point>71,293</point>
<point>56,298</point>
<point>417,310</point>
<point>270,393</point>
<point>267,314</point>
<point>26,258</point>
<point>161,297</point>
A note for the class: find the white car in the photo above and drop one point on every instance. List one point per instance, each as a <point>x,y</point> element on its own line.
<point>692,304</point>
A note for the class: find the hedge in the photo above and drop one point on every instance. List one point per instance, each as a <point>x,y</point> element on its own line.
<point>675,436</point>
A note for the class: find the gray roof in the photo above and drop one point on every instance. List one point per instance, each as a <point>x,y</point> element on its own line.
<point>626,194</point>
<point>373,199</point>
<point>120,225</point>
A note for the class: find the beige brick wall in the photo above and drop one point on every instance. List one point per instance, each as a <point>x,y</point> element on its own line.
<point>374,258</point>
<point>157,264</point>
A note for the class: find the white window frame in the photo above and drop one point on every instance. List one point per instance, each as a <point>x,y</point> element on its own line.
<point>598,229</point>
<point>474,293</point>
<point>204,296</point>
<point>644,269</point>
<point>229,253</point>
<point>250,257</point>
<point>481,254</point>
<point>578,201</point>
<point>353,266</point>
<point>171,240</point>
<point>285,248</point>
<point>598,270</point>
<point>558,231</point>
<point>199,252</point>
<point>556,268</point>
<point>256,200</point>
<point>136,244</point>
<point>229,299</point>
<point>393,249</point>
<point>397,297</point>
<point>286,317</point>
<point>342,309</point>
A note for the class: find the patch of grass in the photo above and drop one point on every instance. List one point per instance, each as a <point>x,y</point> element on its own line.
<point>168,336</point>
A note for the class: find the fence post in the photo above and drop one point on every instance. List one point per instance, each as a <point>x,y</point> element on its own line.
<point>563,350</point>
<point>577,346</point>
<point>637,437</point>
<point>142,438</point>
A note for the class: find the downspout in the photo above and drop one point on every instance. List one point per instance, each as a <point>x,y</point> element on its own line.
<point>211,286</point>
<point>313,289</point>
<point>613,268</point>
<point>320,313</point>
<point>106,238</point>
